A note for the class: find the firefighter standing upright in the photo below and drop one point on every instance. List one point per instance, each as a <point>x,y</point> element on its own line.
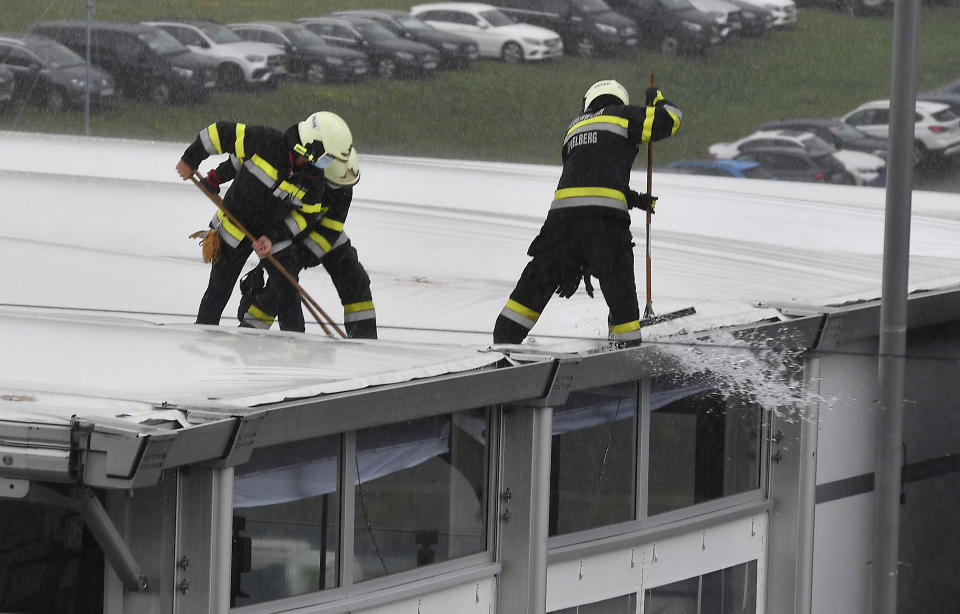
<point>587,230</point>
<point>280,175</point>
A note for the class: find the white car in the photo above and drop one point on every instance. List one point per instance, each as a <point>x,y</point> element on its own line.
<point>239,62</point>
<point>496,34</point>
<point>784,12</point>
<point>863,168</point>
<point>936,130</point>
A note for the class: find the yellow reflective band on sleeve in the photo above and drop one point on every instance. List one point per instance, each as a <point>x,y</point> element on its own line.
<point>331,224</point>
<point>317,238</point>
<point>232,230</point>
<point>265,166</point>
<point>214,136</point>
<point>526,312</point>
<point>238,147</point>
<point>314,208</point>
<point>623,122</point>
<point>619,329</point>
<point>592,191</point>
<point>648,124</point>
<point>299,219</point>
<point>355,307</point>
<point>676,120</point>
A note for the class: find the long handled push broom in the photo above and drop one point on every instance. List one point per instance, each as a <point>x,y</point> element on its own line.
<point>315,310</point>
<point>648,316</point>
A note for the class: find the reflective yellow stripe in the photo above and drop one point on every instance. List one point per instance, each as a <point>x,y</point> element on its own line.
<point>355,307</point>
<point>623,122</point>
<point>331,224</point>
<point>619,329</point>
<point>299,219</point>
<point>314,208</point>
<point>265,166</point>
<point>648,125</point>
<point>676,120</point>
<point>233,231</point>
<point>317,238</point>
<point>214,135</point>
<point>593,191</point>
<point>261,315</point>
<point>238,147</point>
<point>526,312</point>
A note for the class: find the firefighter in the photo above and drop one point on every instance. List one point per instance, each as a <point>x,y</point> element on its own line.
<point>321,243</point>
<point>278,174</point>
<point>587,230</point>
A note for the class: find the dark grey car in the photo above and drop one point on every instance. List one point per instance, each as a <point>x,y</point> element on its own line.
<point>145,61</point>
<point>838,133</point>
<point>48,73</point>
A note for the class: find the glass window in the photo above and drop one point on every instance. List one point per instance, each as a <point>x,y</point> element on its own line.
<point>626,604</point>
<point>421,493</point>
<point>286,521</point>
<point>49,561</point>
<point>704,445</point>
<point>728,591</point>
<point>592,477</point>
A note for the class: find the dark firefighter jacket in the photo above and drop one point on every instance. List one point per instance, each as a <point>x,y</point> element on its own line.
<point>598,152</point>
<point>318,232</point>
<point>267,189</point>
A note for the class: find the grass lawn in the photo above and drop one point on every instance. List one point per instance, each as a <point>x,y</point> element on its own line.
<point>823,66</point>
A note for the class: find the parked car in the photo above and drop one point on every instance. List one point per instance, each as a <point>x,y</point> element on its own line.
<point>586,26</point>
<point>853,7</point>
<point>792,164</point>
<point>784,12</point>
<point>945,95</point>
<point>862,168</point>
<point>756,18</point>
<point>309,57</point>
<point>672,26</point>
<point>7,83</point>
<point>143,60</point>
<point>936,127</point>
<point>745,169</point>
<point>839,134</point>
<point>455,51</point>
<point>728,16</point>
<point>496,34</point>
<point>239,62</point>
<point>43,71</point>
<point>389,55</point>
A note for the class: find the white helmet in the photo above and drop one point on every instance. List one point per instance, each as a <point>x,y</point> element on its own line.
<point>324,137</point>
<point>343,173</point>
<point>607,87</point>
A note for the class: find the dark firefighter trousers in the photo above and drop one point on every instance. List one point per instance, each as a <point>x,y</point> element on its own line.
<point>600,246</point>
<point>223,277</point>
<point>348,276</point>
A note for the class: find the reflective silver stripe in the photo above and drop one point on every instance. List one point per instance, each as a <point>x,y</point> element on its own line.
<point>604,126</point>
<point>318,251</point>
<point>627,336</point>
<point>292,225</point>
<point>675,112</point>
<point>357,316</point>
<point>280,246</point>
<point>208,145</point>
<point>235,161</point>
<point>225,236</point>
<point>255,322</point>
<point>588,201</point>
<point>259,173</point>
<point>523,321</point>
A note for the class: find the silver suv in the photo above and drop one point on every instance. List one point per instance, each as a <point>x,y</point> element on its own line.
<point>239,62</point>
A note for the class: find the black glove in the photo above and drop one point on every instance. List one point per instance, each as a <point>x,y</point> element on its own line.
<point>251,284</point>
<point>653,96</point>
<point>569,285</point>
<point>642,201</point>
<point>211,182</point>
